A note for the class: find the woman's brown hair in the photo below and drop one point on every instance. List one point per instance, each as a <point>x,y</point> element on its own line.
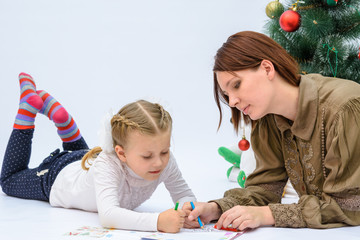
<point>246,50</point>
<point>143,116</point>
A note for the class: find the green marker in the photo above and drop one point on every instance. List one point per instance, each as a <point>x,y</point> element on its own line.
<point>176,206</point>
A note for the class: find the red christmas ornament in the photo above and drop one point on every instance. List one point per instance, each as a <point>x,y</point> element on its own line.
<point>359,52</point>
<point>244,144</point>
<point>290,21</point>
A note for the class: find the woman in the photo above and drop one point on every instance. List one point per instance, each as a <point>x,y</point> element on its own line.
<point>305,128</point>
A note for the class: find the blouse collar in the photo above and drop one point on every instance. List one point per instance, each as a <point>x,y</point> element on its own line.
<point>304,123</point>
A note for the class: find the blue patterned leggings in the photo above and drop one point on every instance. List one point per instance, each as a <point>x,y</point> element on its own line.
<point>19,181</point>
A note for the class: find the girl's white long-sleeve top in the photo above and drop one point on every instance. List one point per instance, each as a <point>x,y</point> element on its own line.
<point>113,190</point>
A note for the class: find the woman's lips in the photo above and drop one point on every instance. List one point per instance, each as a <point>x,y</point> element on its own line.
<point>245,111</point>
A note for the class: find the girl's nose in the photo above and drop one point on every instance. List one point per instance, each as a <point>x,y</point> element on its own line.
<point>158,162</point>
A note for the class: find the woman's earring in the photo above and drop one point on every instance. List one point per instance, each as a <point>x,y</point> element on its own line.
<point>243,143</point>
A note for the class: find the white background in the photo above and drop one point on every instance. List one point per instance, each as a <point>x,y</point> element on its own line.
<point>93,56</point>
<point>96,55</point>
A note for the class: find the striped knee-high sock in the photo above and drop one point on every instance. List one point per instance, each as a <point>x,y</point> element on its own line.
<point>30,103</point>
<point>67,128</point>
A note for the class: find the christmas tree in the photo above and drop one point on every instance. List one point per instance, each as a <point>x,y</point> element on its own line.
<point>322,35</point>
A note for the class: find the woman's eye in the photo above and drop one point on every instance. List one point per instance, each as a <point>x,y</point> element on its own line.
<point>237,85</point>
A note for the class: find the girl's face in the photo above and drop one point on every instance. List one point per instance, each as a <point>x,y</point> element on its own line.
<point>250,90</point>
<point>146,155</point>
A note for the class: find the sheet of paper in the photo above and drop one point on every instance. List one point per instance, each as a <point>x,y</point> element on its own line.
<point>94,233</point>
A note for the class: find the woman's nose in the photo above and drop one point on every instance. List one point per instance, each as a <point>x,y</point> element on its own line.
<point>233,101</point>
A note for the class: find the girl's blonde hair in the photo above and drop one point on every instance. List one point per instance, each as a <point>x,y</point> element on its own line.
<point>143,116</point>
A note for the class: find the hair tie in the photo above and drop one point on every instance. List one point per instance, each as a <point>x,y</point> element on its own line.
<point>105,135</point>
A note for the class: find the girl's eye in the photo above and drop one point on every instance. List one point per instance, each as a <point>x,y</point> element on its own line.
<point>147,157</point>
<point>164,153</point>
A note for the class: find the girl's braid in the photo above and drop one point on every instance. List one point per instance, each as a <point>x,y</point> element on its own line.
<point>124,122</point>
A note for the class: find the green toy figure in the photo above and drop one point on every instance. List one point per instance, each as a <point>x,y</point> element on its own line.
<point>234,155</point>
<point>234,172</point>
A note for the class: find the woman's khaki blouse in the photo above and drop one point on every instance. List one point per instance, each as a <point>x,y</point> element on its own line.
<point>319,152</point>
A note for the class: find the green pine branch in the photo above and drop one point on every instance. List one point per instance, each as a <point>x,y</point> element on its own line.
<point>328,39</point>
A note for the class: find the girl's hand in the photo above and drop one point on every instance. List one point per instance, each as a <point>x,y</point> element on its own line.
<point>242,217</point>
<point>206,211</point>
<point>171,221</point>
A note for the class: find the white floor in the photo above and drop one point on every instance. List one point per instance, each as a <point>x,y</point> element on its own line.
<point>35,220</point>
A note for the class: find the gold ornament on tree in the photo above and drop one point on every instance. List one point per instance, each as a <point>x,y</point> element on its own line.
<point>274,9</point>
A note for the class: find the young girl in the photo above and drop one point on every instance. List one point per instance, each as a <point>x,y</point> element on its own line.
<point>305,128</point>
<point>135,160</point>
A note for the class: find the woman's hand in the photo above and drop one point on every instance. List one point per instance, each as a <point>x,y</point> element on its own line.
<point>206,211</point>
<point>242,217</point>
<point>171,221</point>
